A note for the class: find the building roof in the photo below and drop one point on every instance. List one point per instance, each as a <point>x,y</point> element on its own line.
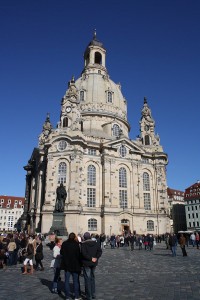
<point>193,191</point>
<point>11,201</point>
<point>172,192</point>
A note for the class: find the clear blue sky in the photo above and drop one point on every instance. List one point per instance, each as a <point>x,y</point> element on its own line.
<point>153,50</point>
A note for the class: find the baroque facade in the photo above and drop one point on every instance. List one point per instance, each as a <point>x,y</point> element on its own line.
<point>113,183</point>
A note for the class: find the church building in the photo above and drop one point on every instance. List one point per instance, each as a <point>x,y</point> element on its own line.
<point>114,184</point>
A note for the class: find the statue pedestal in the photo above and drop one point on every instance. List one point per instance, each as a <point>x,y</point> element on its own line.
<point>58,226</point>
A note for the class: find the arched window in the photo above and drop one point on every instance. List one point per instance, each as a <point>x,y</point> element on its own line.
<point>91,175</point>
<point>109,97</point>
<point>122,178</point>
<point>98,58</point>
<point>147,140</point>
<point>65,122</point>
<point>91,181</point>
<point>82,96</point>
<point>92,225</point>
<point>62,172</point>
<point>150,225</point>
<point>146,182</point>
<point>122,151</point>
<point>147,201</point>
<point>123,202</point>
<point>116,130</point>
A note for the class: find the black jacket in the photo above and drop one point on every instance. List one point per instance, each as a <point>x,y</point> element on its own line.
<point>39,252</point>
<point>71,256</point>
<point>90,249</point>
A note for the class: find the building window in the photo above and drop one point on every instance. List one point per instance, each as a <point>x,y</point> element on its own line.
<point>91,175</point>
<point>16,202</point>
<point>197,215</point>
<point>188,208</point>
<point>116,130</point>
<point>62,172</point>
<point>189,216</point>
<point>109,97</point>
<point>8,205</point>
<point>147,140</point>
<point>92,151</point>
<point>122,151</point>
<point>146,182</point>
<point>147,201</point>
<point>65,122</point>
<point>92,225</point>
<point>82,96</point>
<point>98,58</point>
<point>150,225</point>
<point>2,200</point>
<point>193,224</point>
<point>122,178</point>
<point>9,201</point>
<point>91,197</point>
<point>62,145</point>
<point>123,199</point>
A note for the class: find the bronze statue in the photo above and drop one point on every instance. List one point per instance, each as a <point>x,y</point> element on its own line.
<point>60,199</point>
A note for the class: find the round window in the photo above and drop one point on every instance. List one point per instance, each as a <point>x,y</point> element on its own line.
<point>62,145</point>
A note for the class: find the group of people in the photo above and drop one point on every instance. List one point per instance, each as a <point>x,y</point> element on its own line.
<point>76,255</point>
<point>133,240</point>
<point>21,248</point>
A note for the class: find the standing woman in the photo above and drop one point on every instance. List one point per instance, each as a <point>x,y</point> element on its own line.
<point>29,258</point>
<point>182,242</point>
<point>39,255</point>
<point>11,248</point>
<point>55,263</point>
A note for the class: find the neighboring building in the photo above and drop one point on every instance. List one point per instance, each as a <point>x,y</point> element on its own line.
<point>192,206</point>
<point>176,210</point>
<point>113,183</point>
<point>11,209</point>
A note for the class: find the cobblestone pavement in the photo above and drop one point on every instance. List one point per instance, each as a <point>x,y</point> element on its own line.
<point>121,274</point>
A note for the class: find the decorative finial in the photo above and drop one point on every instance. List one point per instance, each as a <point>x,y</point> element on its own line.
<point>48,117</point>
<point>145,100</point>
<point>95,34</point>
<point>73,79</point>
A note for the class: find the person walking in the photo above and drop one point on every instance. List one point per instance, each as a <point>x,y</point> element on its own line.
<point>55,263</point>
<point>182,242</point>
<point>71,262</point>
<point>91,252</point>
<point>173,243</point>
<point>39,255</point>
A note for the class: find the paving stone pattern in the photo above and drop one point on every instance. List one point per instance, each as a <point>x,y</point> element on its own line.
<point>121,274</point>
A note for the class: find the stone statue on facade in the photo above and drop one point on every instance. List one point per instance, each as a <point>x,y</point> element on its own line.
<point>61,196</point>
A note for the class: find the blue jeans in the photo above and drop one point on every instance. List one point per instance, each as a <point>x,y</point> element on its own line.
<point>75,277</point>
<point>89,277</point>
<point>173,249</point>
